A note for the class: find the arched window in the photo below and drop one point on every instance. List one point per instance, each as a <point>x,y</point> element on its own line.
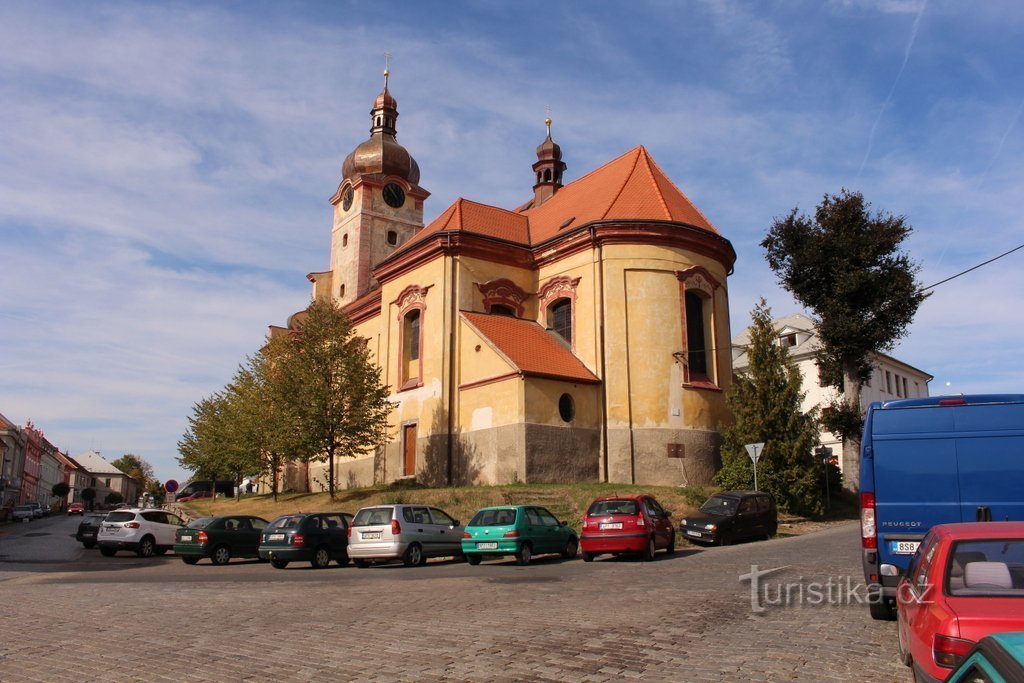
<point>411,365</point>
<point>412,334</point>
<point>344,240</point>
<point>696,336</point>
<point>560,318</point>
<point>341,292</point>
<point>392,237</point>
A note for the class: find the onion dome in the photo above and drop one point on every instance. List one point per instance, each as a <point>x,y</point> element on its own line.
<point>547,169</point>
<point>382,154</point>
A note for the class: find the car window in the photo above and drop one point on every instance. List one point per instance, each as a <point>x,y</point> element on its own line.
<point>748,505</point>
<point>420,516</point>
<point>987,568</point>
<point>500,517</point>
<point>532,517</point>
<point>120,516</point>
<point>653,509</point>
<point>546,518</point>
<point>231,524</point>
<point>257,523</point>
<point>924,563</point>
<point>612,507</point>
<point>285,523</point>
<point>200,523</point>
<point>313,523</point>
<point>441,517</point>
<point>368,516</point>
<point>719,505</point>
<point>334,521</point>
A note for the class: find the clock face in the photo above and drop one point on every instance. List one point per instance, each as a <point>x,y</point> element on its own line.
<point>394,195</point>
<point>346,199</point>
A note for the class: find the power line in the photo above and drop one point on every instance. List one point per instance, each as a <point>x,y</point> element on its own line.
<point>953,277</point>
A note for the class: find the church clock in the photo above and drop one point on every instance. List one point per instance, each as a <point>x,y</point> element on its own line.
<point>394,195</point>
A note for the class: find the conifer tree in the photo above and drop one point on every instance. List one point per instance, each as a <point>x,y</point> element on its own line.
<point>765,403</point>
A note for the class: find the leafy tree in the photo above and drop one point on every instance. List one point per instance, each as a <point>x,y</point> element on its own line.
<point>61,490</point>
<point>136,468</point>
<point>206,447</point>
<point>88,495</point>
<point>845,265</point>
<point>324,373</point>
<point>114,498</point>
<point>766,405</point>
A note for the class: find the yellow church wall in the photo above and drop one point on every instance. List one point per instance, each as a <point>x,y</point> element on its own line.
<point>474,271</point>
<point>586,337</point>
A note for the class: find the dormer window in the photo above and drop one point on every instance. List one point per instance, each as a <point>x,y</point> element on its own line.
<point>787,340</point>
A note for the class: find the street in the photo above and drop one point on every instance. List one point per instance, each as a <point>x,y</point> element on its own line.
<point>70,614</point>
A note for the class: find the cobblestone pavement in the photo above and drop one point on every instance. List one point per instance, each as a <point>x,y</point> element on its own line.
<point>686,618</point>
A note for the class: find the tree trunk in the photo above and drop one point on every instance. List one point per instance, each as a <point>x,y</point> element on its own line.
<point>330,472</point>
<point>851,442</point>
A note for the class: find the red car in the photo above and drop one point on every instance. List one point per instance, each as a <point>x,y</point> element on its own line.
<point>196,496</point>
<point>964,582</point>
<point>626,524</point>
<point>76,509</point>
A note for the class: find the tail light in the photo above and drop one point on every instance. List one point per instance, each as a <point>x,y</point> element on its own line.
<point>640,519</point>
<point>511,534</point>
<point>132,525</point>
<point>348,532</point>
<point>298,539</point>
<point>586,523</point>
<point>949,652</point>
<point>203,538</point>
<point>396,528</point>
<point>466,535</point>
<point>868,533</point>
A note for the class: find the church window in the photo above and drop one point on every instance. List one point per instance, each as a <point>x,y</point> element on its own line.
<point>560,318</point>
<point>412,322</point>
<point>566,408</point>
<point>341,292</point>
<point>499,309</point>
<point>392,237</point>
<point>698,290</point>
<point>344,240</point>
<point>696,336</point>
<point>547,175</point>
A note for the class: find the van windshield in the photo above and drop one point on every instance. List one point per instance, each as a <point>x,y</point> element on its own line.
<point>719,505</point>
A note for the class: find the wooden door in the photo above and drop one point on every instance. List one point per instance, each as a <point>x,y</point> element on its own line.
<point>409,450</point>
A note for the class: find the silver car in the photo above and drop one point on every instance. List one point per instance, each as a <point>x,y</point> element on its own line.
<point>410,533</point>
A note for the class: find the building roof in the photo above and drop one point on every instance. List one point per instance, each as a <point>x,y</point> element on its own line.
<point>94,463</point>
<point>529,348</point>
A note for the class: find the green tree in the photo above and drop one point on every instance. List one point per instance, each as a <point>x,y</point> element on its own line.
<point>136,468</point>
<point>114,498</point>
<point>846,266</point>
<point>61,490</point>
<point>88,495</point>
<point>766,405</point>
<point>206,448</point>
<point>325,375</point>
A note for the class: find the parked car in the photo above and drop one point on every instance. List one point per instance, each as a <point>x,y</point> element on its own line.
<point>316,538</point>
<point>519,530</point>
<point>198,495</point>
<point>411,533</point>
<point>928,461</point>
<point>964,582</point>
<point>76,509</point>
<point>731,516</point>
<point>626,524</point>
<point>219,538</point>
<point>146,532</point>
<point>998,657</point>
<point>37,510</point>
<point>88,528</point>
<point>22,513</point>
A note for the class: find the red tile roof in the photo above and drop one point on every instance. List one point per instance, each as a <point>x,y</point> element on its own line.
<point>480,219</point>
<point>530,348</point>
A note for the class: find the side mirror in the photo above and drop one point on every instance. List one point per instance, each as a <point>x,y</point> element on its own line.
<point>456,523</point>
<point>666,514</point>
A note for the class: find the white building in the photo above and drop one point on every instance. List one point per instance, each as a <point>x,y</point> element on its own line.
<point>891,378</point>
<point>107,479</point>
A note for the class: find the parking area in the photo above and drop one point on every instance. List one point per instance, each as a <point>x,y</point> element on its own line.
<point>690,617</point>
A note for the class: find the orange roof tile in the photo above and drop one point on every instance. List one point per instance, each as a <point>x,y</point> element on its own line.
<point>481,219</point>
<point>529,347</point>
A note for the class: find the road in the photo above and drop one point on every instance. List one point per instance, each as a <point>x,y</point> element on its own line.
<point>71,614</point>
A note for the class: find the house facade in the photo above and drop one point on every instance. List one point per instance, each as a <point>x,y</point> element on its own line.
<point>106,479</point>
<point>580,336</point>
<point>13,442</point>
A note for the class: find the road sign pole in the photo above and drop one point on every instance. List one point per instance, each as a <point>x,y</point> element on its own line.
<point>754,451</point>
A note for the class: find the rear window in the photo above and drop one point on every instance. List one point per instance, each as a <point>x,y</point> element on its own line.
<point>120,516</point>
<point>285,523</point>
<point>23,508</point>
<point>612,507</point>
<point>200,523</point>
<point>720,505</point>
<point>989,568</point>
<point>494,518</point>
<point>369,516</point>
<point>93,519</point>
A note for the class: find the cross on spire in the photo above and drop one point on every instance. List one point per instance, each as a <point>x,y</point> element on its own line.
<point>387,70</point>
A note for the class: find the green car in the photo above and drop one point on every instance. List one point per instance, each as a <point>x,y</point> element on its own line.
<point>520,530</point>
<point>219,538</point>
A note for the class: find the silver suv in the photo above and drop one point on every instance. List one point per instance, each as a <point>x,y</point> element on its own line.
<point>143,531</point>
<point>411,533</point>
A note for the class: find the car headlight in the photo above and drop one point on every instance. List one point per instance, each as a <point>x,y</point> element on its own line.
<point>682,522</point>
<point>710,527</point>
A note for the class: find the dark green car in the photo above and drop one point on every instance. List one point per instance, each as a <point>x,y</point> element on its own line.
<point>219,538</point>
<point>519,530</point>
<point>316,537</point>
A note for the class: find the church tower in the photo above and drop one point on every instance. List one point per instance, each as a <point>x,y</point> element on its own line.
<point>378,205</point>
<point>548,169</point>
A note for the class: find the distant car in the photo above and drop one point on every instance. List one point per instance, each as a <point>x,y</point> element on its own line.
<point>519,530</point>
<point>219,538</point>
<point>22,513</point>
<point>198,495</point>
<point>411,533</point>
<point>37,510</point>
<point>76,509</point>
<point>146,532</point>
<point>88,528</point>
<point>316,538</point>
<point>731,516</point>
<point>627,524</point>
<point>998,657</point>
<point>964,582</point>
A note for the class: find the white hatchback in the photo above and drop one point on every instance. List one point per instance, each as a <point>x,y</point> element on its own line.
<point>143,531</point>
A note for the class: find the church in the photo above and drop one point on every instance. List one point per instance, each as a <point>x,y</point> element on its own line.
<point>582,336</point>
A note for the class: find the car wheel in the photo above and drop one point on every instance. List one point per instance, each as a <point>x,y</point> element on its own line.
<point>473,559</point>
<point>321,557</point>
<point>278,564</point>
<point>571,547</point>
<point>89,544</point>
<point>904,653</point>
<point>146,547</point>
<point>190,560</point>
<point>588,557</point>
<point>362,564</point>
<point>649,550</point>
<point>413,556</point>
<point>221,555</point>
<point>671,544</point>
<point>107,552</point>
<point>524,554</point>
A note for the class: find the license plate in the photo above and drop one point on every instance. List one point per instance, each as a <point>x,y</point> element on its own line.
<point>370,535</point>
<point>611,525</point>
<point>487,546</point>
<point>276,537</point>
<point>186,538</point>
<point>903,547</point>
<point>694,533</point>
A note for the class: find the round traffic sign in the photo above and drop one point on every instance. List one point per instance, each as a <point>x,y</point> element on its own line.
<point>171,486</point>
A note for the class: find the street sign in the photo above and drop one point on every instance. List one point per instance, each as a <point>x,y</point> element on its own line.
<point>754,451</point>
<point>171,486</point>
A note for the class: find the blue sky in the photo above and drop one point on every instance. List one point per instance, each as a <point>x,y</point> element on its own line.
<point>165,167</point>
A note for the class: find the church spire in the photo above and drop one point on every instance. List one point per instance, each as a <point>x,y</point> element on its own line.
<point>385,108</point>
<point>547,169</point>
